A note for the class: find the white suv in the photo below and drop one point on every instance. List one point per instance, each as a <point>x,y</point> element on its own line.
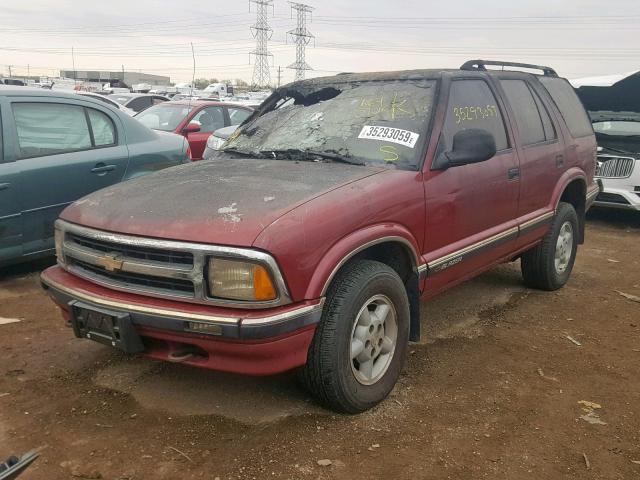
<point>618,135</point>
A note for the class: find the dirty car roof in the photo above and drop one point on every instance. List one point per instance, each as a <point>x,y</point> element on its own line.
<point>371,77</point>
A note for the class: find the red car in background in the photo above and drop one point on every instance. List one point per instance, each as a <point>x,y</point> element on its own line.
<point>195,120</point>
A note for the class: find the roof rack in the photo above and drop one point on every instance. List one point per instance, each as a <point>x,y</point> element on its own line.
<point>481,65</point>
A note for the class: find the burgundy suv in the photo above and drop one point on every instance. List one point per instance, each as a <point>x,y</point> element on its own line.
<point>308,243</point>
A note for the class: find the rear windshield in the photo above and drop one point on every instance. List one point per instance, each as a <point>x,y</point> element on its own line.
<point>569,105</point>
<point>371,122</point>
<point>164,116</point>
<point>121,99</point>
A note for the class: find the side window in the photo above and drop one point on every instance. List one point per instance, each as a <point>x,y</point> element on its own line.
<point>238,115</point>
<point>569,105</point>
<point>104,133</point>
<point>140,103</point>
<point>547,123</point>
<point>210,119</point>
<point>50,128</point>
<point>473,105</point>
<point>525,110</point>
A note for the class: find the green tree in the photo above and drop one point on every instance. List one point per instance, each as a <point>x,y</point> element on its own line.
<point>201,83</point>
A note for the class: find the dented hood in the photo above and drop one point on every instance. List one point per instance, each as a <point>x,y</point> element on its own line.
<point>223,201</point>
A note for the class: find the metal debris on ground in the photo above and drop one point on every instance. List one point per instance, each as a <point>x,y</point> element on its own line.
<point>181,453</point>
<point>573,340</point>
<point>541,373</point>
<point>628,296</point>
<point>7,321</point>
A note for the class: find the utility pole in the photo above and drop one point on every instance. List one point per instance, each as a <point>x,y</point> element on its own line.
<point>9,66</point>
<point>73,62</point>
<point>262,32</point>
<point>302,37</point>
<point>279,75</point>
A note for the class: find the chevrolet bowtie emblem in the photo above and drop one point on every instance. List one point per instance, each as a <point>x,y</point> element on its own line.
<point>110,262</point>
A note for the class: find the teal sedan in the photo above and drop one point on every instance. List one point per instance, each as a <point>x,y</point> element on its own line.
<point>58,147</point>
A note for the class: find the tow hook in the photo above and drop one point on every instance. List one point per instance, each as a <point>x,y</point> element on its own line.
<point>183,355</point>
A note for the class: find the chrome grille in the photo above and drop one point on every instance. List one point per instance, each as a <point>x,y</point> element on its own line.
<point>131,267</point>
<point>129,251</point>
<point>133,280</point>
<point>161,268</point>
<point>614,167</point>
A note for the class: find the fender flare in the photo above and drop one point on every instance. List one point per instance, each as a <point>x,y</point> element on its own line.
<point>567,177</point>
<point>347,247</point>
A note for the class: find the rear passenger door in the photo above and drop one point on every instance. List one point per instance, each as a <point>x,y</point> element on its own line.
<point>64,151</point>
<point>540,148</point>
<point>10,211</point>
<point>471,209</point>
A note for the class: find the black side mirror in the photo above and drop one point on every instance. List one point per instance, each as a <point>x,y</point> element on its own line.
<point>471,146</point>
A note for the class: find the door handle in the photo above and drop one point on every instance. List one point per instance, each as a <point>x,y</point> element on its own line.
<point>4,186</point>
<point>103,168</point>
<point>513,173</point>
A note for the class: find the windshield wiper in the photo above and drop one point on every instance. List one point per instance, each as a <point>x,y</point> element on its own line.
<point>239,152</point>
<point>307,155</point>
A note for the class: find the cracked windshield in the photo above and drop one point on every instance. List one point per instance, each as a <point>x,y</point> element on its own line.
<point>365,123</point>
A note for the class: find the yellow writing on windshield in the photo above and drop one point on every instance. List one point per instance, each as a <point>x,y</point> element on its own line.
<point>472,113</point>
<point>394,107</point>
<point>390,153</point>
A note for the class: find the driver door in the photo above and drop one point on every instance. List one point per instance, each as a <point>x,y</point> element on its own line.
<point>471,209</point>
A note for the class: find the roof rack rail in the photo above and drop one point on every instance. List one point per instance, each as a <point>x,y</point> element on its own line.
<point>481,65</point>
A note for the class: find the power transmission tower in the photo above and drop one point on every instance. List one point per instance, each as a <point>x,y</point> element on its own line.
<point>301,37</point>
<point>262,32</point>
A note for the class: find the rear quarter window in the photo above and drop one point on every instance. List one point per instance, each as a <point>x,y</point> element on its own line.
<point>569,105</point>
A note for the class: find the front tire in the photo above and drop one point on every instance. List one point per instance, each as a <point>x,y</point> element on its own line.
<point>360,345</point>
<point>548,265</point>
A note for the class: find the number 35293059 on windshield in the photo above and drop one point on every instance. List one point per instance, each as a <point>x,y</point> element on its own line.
<point>390,134</point>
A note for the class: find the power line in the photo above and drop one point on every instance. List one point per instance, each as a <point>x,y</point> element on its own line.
<point>302,37</point>
<point>262,32</point>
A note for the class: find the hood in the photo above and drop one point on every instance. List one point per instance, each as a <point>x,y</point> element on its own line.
<point>609,116</point>
<point>224,201</point>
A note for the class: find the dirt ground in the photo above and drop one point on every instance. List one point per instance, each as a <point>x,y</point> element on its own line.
<point>494,391</point>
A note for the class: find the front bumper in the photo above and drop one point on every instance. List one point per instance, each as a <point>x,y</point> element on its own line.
<point>592,193</point>
<point>251,342</point>
<point>620,198</point>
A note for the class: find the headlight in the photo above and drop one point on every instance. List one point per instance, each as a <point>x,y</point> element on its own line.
<point>238,280</point>
<point>215,143</point>
<point>59,237</point>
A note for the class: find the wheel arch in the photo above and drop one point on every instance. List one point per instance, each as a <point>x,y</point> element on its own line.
<point>394,246</point>
<point>573,190</point>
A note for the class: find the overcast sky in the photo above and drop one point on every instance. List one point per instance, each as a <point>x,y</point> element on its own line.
<point>577,37</point>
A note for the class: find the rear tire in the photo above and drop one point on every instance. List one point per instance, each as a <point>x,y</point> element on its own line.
<point>360,344</point>
<point>548,265</point>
